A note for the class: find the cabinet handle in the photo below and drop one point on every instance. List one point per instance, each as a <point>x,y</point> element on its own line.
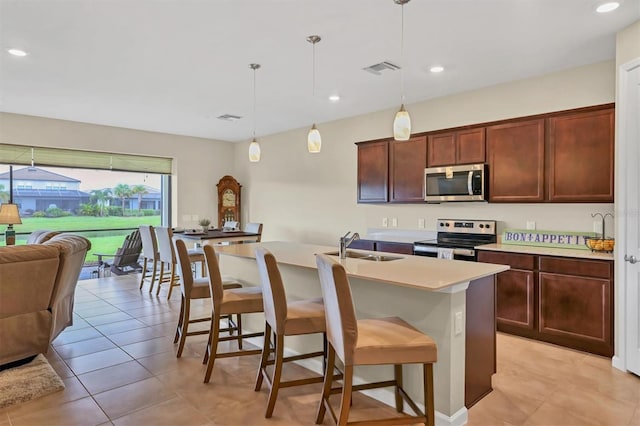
<point>631,259</point>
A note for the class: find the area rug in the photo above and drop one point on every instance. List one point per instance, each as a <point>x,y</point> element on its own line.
<point>28,381</point>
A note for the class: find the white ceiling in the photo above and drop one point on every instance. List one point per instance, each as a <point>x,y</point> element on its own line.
<point>173,66</point>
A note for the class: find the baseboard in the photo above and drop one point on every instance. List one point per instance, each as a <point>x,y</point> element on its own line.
<point>618,363</point>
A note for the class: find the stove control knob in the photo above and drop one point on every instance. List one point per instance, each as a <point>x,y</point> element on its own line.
<point>446,224</point>
<point>487,225</point>
<point>481,226</point>
<point>441,224</point>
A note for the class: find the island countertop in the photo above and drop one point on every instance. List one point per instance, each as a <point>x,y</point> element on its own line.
<point>418,272</point>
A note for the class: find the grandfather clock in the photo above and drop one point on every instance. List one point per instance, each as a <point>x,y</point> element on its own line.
<point>228,200</point>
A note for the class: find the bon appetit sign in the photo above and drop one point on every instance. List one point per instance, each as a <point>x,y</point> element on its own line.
<point>558,239</point>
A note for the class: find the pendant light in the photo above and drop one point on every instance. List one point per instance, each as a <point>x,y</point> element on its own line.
<point>254,147</point>
<point>402,122</point>
<point>314,140</point>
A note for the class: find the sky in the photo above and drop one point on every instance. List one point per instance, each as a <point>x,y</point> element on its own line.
<point>100,179</point>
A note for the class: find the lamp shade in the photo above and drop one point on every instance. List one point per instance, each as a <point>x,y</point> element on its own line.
<point>314,140</point>
<point>254,151</point>
<point>402,125</point>
<point>9,214</point>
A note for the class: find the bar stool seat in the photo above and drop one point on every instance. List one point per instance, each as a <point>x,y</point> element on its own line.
<point>379,341</point>
<point>284,319</point>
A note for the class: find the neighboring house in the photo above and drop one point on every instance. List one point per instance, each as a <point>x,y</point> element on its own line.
<point>151,199</point>
<point>36,189</point>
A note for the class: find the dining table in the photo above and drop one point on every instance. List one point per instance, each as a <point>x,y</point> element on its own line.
<point>216,236</point>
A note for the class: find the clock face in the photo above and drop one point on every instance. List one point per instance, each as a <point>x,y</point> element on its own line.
<point>228,198</point>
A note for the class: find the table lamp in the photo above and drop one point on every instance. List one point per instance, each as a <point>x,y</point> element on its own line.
<point>9,215</point>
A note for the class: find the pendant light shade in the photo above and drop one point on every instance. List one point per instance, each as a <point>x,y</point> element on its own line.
<point>254,147</point>
<point>314,140</point>
<point>402,121</point>
<point>254,151</point>
<point>402,125</point>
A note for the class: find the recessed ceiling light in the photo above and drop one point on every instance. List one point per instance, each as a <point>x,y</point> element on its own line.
<point>607,7</point>
<point>334,98</point>
<point>17,52</point>
<point>436,69</point>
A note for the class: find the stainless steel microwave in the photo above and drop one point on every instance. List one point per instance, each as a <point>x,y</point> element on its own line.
<point>456,183</point>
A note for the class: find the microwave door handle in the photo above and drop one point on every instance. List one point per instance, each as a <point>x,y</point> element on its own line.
<point>470,183</point>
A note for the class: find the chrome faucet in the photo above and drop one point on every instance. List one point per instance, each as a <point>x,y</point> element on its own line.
<point>344,243</point>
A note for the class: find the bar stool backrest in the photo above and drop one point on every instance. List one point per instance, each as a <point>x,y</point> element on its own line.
<point>165,245</point>
<point>340,313</point>
<point>184,266</point>
<point>273,294</point>
<point>149,242</point>
<point>215,279</point>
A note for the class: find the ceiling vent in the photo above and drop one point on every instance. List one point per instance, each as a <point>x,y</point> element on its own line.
<point>382,66</point>
<point>229,117</point>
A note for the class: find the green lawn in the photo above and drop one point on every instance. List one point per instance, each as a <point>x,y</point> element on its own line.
<point>104,242</point>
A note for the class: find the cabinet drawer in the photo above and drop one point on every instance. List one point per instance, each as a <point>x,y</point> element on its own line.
<point>515,260</point>
<point>580,267</point>
<point>401,248</point>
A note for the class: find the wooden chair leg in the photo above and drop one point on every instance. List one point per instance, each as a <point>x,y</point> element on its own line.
<point>161,279</point>
<point>277,374</point>
<point>266,349</point>
<point>185,326</point>
<point>212,347</point>
<point>429,409</point>
<point>397,372</point>
<point>345,402</point>
<point>326,388</point>
<point>144,273</point>
<point>172,282</point>
<point>153,275</point>
<point>239,325</point>
<point>180,320</point>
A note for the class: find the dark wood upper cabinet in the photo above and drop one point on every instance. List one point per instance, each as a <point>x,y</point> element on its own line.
<point>581,157</point>
<point>373,172</point>
<point>516,161</point>
<point>459,147</point>
<point>407,161</point>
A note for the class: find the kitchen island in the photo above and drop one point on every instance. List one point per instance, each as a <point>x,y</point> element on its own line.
<point>452,301</point>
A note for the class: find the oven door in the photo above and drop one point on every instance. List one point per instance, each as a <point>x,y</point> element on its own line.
<point>432,251</point>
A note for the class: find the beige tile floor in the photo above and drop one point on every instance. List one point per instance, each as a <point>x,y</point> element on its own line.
<point>119,366</point>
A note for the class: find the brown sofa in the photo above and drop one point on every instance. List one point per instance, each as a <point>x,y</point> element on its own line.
<point>37,285</point>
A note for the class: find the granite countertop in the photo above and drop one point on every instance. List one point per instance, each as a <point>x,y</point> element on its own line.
<point>419,272</point>
<point>547,251</point>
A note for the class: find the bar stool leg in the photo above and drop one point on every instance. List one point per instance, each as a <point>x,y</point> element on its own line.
<point>277,374</point>
<point>184,325</point>
<point>212,346</point>
<point>397,372</point>
<point>266,347</point>
<point>345,402</point>
<point>161,279</point>
<point>144,273</point>
<point>326,388</point>
<point>429,409</point>
<point>153,275</point>
<point>239,330</point>
<point>172,282</point>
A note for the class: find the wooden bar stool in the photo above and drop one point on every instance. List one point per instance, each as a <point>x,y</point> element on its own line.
<point>149,254</point>
<point>375,341</point>
<point>167,256</point>
<point>227,302</point>
<point>192,288</point>
<point>284,319</point>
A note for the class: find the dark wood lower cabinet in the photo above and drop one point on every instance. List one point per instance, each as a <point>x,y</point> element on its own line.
<point>390,247</point>
<point>565,301</point>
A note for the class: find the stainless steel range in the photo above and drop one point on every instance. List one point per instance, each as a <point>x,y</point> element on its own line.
<point>457,238</point>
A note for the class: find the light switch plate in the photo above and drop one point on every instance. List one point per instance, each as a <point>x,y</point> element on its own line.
<point>421,223</point>
<point>531,224</point>
<point>385,222</point>
<point>458,323</point>
<point>597,226</point>
<point>394,222</point>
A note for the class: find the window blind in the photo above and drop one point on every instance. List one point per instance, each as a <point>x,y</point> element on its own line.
<point>57,157</point>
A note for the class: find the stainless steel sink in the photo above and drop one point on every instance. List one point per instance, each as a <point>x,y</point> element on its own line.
<point>365,256</point>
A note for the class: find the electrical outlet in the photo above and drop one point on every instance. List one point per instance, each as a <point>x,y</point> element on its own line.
<point>394,222</point>
<point>186,218</point>
<point>421,223</point>
<point>531,224</point>
<point>457,323</point>
<point>385,222</point>
<point>195,217</point>
<point>597,226</point>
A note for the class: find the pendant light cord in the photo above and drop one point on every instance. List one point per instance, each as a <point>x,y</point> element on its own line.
<point>402,55</point>
<point>254,102</point>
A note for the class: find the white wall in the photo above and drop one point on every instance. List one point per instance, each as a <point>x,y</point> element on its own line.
<point>198,163</point>
<point>312,197</point>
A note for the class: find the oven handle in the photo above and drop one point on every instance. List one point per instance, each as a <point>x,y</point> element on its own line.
<point>456,251</point>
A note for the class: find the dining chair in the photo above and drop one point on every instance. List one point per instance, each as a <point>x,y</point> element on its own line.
<point>229,301</point>
<point>149,254</point>
<point>194,288</point>
<point>167,257</point>
<point>255,228</point>
<point>284,318</point>
<point>372,341</point>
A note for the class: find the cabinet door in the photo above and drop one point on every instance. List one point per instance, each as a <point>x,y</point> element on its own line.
<point>581,155</point>
<point>390,247</point>
<point>407,161</point>
<point>442,150</point>
<point>576,310</point>
<point>516,161</point>
<point>515,296</point>
<point>470,146</point>
<point>373,172</point>
<point>363,244</point>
